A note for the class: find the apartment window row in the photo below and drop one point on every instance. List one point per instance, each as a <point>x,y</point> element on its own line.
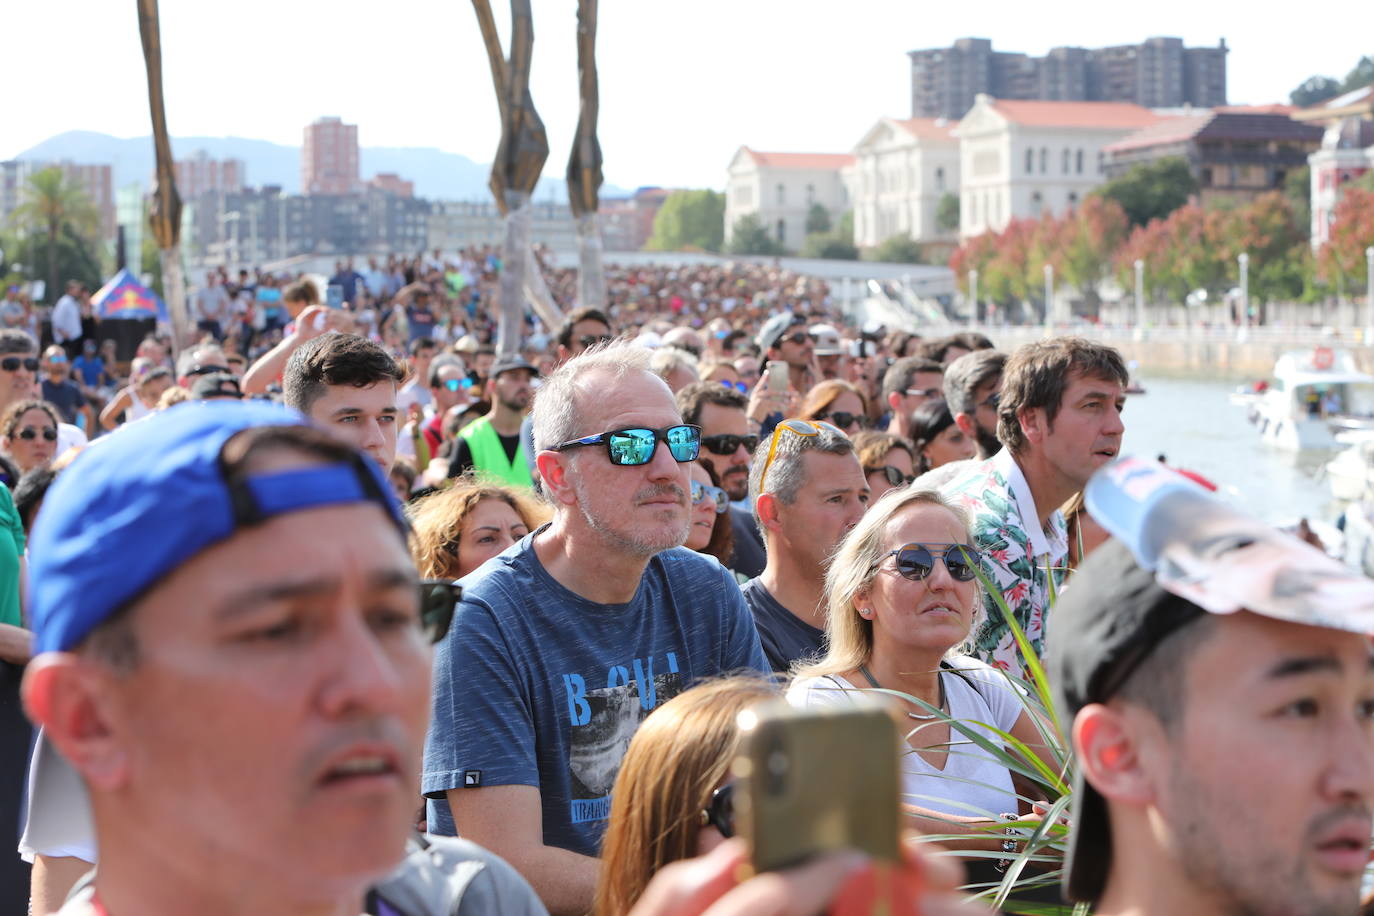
<point>1070,161</point>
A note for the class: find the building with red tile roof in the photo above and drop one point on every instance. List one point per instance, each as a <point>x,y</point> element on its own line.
<point>779,190</point>
<point>902,169</point>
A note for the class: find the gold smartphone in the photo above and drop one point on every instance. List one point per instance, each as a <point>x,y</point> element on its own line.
<point>813,781</point>
<point>778,379</point>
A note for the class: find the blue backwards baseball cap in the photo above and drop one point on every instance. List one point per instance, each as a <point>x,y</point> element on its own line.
<point>135,506</point>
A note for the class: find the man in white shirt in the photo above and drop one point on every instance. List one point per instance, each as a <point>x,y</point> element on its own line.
<point>66,320</point>
<point>212,306</point>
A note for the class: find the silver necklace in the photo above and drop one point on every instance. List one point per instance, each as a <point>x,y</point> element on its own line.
<point>939,679</point>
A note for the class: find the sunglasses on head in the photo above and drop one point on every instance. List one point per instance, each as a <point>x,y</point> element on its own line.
<point>797,427</point>
<point>12,363</point>
<point>29,433</point>
<point>893,475</point>
<point>205,370</point>
<point>738,386</point>
<point>720,811</point>
<point>702,492</point>
<point>725,444</point>
<point>636,445</point>
<point>591,340</point>
<point>844,419</point>
<point>438,600</point>
<point>915,561</point>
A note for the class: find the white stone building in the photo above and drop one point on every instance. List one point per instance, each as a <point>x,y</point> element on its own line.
<point>901,170</point>
<point>780,189</point>
<point>1018,159</point>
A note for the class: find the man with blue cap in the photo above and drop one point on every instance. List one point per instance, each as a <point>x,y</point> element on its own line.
<point>232,651</point>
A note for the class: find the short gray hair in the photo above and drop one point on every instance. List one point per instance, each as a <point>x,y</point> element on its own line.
<point>14,340</point>
<point>668,359</point>
<point>555,415</point>
<point>785,474</point>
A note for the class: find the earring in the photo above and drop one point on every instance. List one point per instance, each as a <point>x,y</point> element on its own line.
<point>866,612</point>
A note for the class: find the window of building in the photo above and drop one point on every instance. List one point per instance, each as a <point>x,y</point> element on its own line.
<point>1030,161</point>
<point>1064,162</point>
<point>782,196</point>
<point>1044,160</point>
<point>1101,162</point>
<point>1037,201</point>
<point>810,194</point>
<point>939,179</point>
<point>1078,162</point>
<point>782,231</point>
<point>1073,200</point>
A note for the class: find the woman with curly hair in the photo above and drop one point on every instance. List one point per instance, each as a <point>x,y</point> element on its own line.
<point>459,528</point>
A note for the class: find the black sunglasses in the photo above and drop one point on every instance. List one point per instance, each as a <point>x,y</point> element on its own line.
<point>894,476</point>
<point>844,419</point>
<point>28,433</point>
<point>591,340</point>
<point>720,811</point>
<point>726,444</point>
<point>797,337</point>
<point>636,445</point>
<point>915,561</point>
<point>12,363</point>
<point>438,600</point>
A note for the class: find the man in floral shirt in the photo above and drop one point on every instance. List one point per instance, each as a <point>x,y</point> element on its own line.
<point>1059,420</point>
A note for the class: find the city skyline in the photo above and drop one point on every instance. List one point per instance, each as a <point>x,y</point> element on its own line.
<point>671,115</point>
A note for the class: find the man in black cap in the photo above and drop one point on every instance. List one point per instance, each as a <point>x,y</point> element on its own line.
<point>491,444</point>
<point>216,386</point>
<point>1221,710</point>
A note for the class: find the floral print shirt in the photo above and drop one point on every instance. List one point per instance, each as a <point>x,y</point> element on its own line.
<point>1024,562</point>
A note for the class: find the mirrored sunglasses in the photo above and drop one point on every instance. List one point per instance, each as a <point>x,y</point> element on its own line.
<point>702,492</point>
<point>636,445</point>
<point>915,561</point>
<point>727,445</point>
<point>738,386</point>
<point>457,384</point>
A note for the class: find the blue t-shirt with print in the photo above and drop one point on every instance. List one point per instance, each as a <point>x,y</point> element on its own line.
<point>535,685</point>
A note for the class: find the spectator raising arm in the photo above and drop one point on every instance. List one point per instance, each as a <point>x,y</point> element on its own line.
<point>311,323</point>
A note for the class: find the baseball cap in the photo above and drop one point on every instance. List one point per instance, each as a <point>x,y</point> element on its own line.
<point>774,328</point>
<point>827,339</point>
<point>216,385</point>
<point>1179,553</point>
<point>138,504</point>
<point>507,365</point>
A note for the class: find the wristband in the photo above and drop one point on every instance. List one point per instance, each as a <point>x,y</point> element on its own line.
<point>1009,837</point>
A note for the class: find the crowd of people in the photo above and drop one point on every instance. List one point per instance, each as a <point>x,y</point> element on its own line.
<point>343,611</point>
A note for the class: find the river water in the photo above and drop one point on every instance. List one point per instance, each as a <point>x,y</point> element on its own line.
<point>1194,424</point>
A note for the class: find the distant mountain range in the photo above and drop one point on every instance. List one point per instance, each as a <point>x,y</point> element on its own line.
<point>437,175</point>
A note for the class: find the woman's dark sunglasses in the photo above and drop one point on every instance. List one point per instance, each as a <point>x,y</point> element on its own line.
<point>28,433</point>
<point>894,476</point>
<point>915,561</point>
<point>438,600</point>
<point>844,419</point>
<point>636,445</point>
<point>720,811</point>
<point>701,493</point>
<point>726,444</point>
<point>12,363</point>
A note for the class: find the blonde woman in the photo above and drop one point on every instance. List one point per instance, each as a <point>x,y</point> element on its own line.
<point>673,799</point>
<point>458,529</point>
<point>901,594</point>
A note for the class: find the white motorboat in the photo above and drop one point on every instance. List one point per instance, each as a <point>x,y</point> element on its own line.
<point>1351,473</point>
<point>1316,394</point>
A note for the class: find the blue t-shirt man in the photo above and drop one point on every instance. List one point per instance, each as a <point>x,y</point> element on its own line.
<point>535,685</point>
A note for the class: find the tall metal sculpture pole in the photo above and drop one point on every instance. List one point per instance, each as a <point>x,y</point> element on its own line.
<point>584,165</point>
<point>165,213</point>
<point>519,160</point>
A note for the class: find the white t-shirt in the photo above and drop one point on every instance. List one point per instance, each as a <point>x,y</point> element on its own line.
<point>971,784</point>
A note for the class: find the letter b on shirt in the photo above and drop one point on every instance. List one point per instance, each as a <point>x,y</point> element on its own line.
<point>578,710</point>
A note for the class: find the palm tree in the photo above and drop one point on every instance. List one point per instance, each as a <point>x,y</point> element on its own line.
<point>51,203</point>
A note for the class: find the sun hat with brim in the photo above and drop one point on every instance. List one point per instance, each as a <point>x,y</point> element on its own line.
<point>1151,581</point>
<point>139,503</point>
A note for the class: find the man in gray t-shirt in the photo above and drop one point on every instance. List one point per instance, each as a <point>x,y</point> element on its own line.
<point>563,644</point>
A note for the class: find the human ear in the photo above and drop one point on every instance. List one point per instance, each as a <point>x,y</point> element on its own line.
<point>1107,742</point>
<point>70,698</point>
<point>965,423</point>
<point>767,508</point>
<point>894,400</point>
<point>554,477</point>
<point>1032,420</point>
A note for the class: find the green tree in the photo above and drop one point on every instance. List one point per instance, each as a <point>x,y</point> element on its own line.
<point>57,209</point>
<point>1314,89</point>
<point>829,245</point>
<point>1088,240</point>
<point>1297,187</point>
<point>845,229</point>
<point>1361,76</point>
<point>899,249</point>
<point>76,259</point>
<point>749,236</point>
<point>947,212</point>
<point>817,220</point>
<point>689,221</point>
<point>1152,190</point>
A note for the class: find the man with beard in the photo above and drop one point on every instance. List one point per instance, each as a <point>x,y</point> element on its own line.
<point>971,384</point>
<point>565,642</point>
<point>492,443</point>
<point>1221,722</point>
<point>726,444</point>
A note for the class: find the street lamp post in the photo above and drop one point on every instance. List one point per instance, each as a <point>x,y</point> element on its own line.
<point>1139,299</point>
<point>973,298</point>
<point>1369,295</point>
<point>1244,260</point>
<point>1049,299</point>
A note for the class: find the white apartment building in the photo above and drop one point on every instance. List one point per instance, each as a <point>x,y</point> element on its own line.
<point>1018,159</point>
<point>901,170</point>
<point>780,189</point>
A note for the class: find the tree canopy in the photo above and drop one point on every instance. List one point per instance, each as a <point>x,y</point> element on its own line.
<point>59,213</point>
<point>1151,190</point>
<point>1316,89</point>
<point>749,236</point>
<point>689,221</point>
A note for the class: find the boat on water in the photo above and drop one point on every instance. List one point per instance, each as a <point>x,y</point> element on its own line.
<point>1316,395</point>
<point>1351,473</point>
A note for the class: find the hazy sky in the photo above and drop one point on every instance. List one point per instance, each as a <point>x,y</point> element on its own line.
<point>683,84</point>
